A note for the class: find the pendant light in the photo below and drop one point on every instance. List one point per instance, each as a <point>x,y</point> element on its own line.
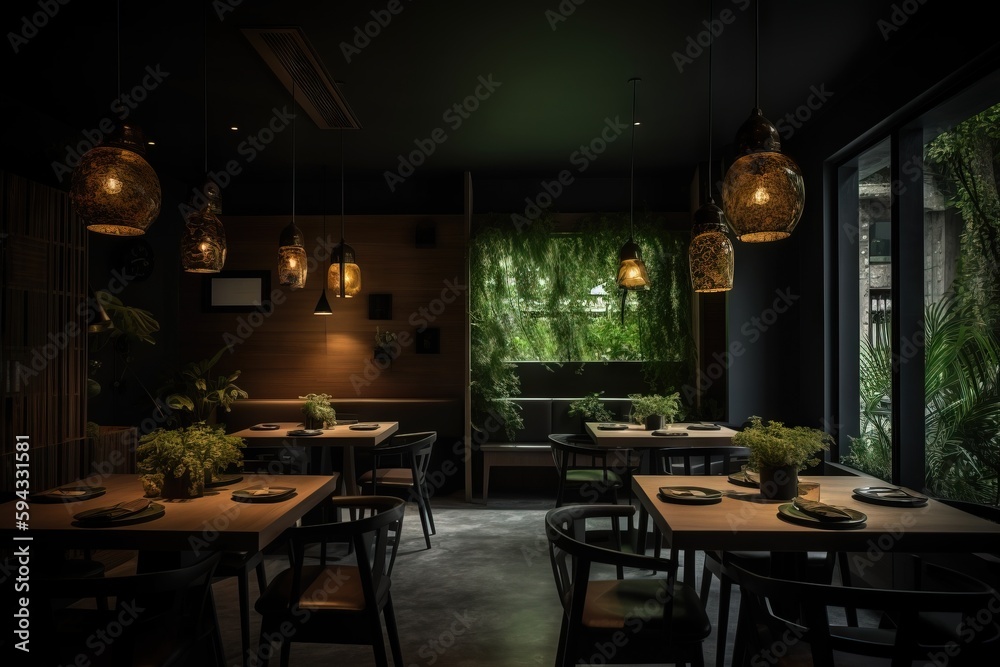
<point>344,275</point>
<point>292,267</point>
<point>710,254</point>
<point>631,269</point>
<point>763,192</point>
<point>203,241</point>
<point>323,305</point>
<point>113,189</point>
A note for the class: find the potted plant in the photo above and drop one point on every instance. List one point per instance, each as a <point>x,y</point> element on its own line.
<point>655,410</point>
<point>779,452</point>
<point>590,409</point>
<point>384,352</point>
<point>196,396</point>
<point>318,411</point>
<point>175,463</point>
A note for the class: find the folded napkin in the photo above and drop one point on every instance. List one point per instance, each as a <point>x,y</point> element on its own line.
<point>820,511</point>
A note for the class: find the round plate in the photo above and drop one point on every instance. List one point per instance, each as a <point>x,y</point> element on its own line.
<point>740,479</point>
<point>305,432</point>
<point>690,495</point>
<point>364,427</point>
<point>612,427</point>
<point>265,427</point>
<point>274,494</point>
<point>223,480</point>
<point>69,494</point>
<point>888,495</point>
<point>790,513</point>
<point>154,511</point>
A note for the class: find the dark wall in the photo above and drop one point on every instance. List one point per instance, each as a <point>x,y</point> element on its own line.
<point>784,374</point>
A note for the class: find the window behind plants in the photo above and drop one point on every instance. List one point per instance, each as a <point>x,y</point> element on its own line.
<point>541,294</point>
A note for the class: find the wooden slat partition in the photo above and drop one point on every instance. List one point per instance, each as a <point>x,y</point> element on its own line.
<point>291,352</point>
<point>43,351</point>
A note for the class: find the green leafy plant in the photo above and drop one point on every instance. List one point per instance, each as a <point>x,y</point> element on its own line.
<point>198,451</point>
<point>590,408</point>
<point>317,406</point>
<point>384,339</point>
<point>196,395</point>
<point>648,405</point>
<point>774,445</point>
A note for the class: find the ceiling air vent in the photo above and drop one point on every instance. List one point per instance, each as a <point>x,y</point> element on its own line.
<point>290,55</point>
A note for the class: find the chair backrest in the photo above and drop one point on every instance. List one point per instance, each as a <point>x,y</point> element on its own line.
<point>568,448</point>
<point>162,616</point>
<point>701,460</point>
<point>415,450</point>
<point>374,537</point>
<point>939,591</point>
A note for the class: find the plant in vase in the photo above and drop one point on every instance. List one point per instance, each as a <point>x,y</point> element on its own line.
<point>655,410</point>
<point>385,346</point>
<point>590,409</point>
<point>318,411</point>
<point>196,396</point>
<point>175,463</point>
<point>779,452</point>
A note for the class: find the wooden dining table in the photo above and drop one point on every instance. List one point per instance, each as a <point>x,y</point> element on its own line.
<point>742,521</point>
<point>340,436</point>
<point>636,436</point>
<point>212,522</point>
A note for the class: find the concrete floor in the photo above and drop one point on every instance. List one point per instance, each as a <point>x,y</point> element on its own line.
<point>482,596</point>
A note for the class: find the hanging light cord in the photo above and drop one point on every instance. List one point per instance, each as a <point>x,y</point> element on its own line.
<point>343,246</point>
<point>711,39</point>
<point>293,151</point>
<point>756,54</point>
<point>205,37</point>
<point>118,47</point>
<point>631,193</point>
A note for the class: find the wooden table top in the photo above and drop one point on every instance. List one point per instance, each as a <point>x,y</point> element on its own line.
<point>338,436</point>
<point>742,521</point>
<point>215,521</point>
<point>637,437</point>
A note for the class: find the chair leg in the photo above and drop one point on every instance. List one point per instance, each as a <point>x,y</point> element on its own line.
<point>706,581</point>
<point>845,578</point>
<point>393,632</point>
<point>286,650</point>
<point>378,644</point>
<point>243,589</point>
<point>430,514</point>
<point>722,625</point>
<point>424,522</point>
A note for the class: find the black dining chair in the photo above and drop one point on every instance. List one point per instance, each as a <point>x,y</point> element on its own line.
<point>162,618</point>
<point>583,469</point>
<point>937,621</point>
<point>337,601</point>
<point>643,619</point>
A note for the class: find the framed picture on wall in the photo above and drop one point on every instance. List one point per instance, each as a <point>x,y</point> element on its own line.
<point>380,306</point>
<point>235,291</point>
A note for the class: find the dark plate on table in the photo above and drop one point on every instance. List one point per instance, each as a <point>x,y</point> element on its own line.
<point>792,514</point>
<point>223,480</point>
<point>704,426</point>
<point>305,432</point>
<point>99,516</point>
<point>257,494</point>
<point>612,427</point>
<point>742,478</point>
<point>69,494</point>
<point>265,427</point>
<point>689,495</point>
<point>889,495</point>
<point>364,427</point>
<point>668,433</point>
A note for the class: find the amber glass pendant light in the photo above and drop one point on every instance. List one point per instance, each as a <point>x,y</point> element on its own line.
<point>631,269</point>
<point>763,193</point>
<point>292,267</point>
<point>343,278</point>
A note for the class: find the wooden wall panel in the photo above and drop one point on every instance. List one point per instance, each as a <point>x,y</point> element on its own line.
<point>292,352</point>
<point>43,350</point>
